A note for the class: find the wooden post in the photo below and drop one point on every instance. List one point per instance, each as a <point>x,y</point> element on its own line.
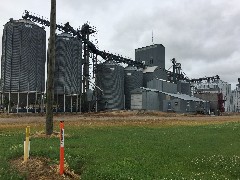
<point>51,67</point>
<point>26,144</point>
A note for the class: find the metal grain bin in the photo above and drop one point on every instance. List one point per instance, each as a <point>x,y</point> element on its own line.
<point>68,65</point>
<point>110,78</point>
<point>23,57</point>
<point>133,78</point>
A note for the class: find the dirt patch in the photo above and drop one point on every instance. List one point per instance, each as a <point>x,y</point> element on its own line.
<point>125,113</point>
<point>113,118</point>
<point>42,169</point>
<point>42,134</point>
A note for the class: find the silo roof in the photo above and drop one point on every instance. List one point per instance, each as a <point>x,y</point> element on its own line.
<point>22,21</point>
<point>65,35</point>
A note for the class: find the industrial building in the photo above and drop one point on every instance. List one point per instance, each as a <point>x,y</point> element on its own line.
<point>235,98</point>
<point>144,84</point>
<point>153,55</point>
<point>214,90</point>
<point>23,65</point>
<point>166,96</point>
<point>153,99</point>
<point>159,94</point>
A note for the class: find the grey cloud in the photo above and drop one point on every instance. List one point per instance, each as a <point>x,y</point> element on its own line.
<point>192,31</point>
<point>202,35</point>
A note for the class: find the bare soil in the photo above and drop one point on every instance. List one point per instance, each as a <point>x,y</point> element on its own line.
<point>116,118</point>
<point>40,168</point>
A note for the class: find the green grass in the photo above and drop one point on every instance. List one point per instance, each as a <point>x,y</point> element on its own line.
<point>135,152</point>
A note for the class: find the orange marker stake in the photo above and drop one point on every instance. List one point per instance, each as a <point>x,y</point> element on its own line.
<point>61,147</point>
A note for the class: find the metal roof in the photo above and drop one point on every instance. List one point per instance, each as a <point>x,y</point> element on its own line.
<point>148,47</point>
<point>180,96</point>
<point>150,69</point>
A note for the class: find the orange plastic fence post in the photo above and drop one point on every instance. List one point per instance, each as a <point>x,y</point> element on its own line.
<point>61,147</point>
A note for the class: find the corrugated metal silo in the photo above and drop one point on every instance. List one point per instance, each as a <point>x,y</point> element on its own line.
<point>110,78</point>
<point>23,57</point>
<point>68,65</point>
<point>133,78</point>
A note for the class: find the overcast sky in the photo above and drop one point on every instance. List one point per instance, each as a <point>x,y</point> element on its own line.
<point>203,35</point>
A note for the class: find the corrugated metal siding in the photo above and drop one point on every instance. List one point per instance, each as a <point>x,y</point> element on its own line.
<point>155,84</point>
<point>161,98</point>
<point>169,87</point>
<point>182,106</point>
<point>162,85</point>
<point>133,78</point>
<point>24,55</point>
<point>175,105</point>
<point>110,78</point>
<point>68,65</point>
<point>184,87</point>
<point>136,101</point>
<point>149,100</point>
<point>7,56</point>
<point>158,73</point>
<point>153,55</point>
<point>152,101</point>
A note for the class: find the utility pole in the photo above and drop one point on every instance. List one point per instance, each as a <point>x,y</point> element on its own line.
<point>50,70</point>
